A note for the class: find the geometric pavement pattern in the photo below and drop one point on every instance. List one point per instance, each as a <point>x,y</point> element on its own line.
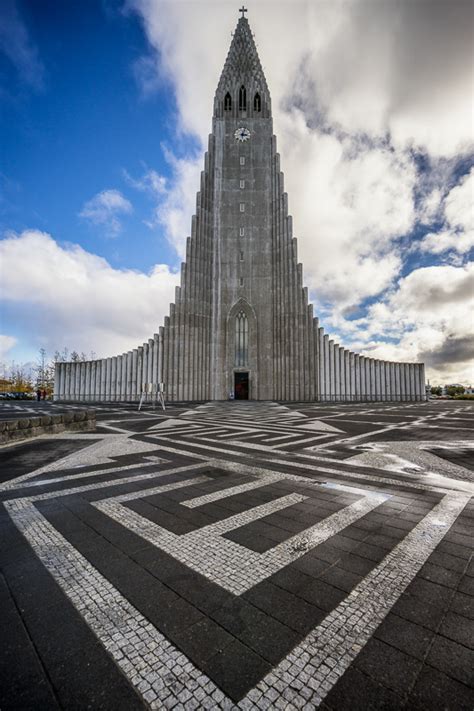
<point>242,555</point>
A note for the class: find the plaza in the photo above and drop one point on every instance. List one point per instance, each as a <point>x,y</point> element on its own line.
<point>240,555</point>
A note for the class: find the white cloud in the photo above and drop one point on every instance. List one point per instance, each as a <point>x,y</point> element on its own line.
<point>458,230</point>
<point>174,199</point>
<point>87,305</point>
<point>429,318</point>
<point>104,210</point>
<point>16,45</point>
<point>6,344</point>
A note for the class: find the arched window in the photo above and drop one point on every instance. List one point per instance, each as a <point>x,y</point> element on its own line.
<point>242,99</point>
<point>241,340</point>
<point>227,102</point>
<point>257,103</point>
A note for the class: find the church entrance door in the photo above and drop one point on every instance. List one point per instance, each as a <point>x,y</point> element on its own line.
<point>241,386</point>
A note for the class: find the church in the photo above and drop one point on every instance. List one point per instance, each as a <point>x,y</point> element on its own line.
<point>241,325</point>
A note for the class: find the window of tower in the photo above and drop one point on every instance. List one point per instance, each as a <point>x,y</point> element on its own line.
<point>257,103</point>
<point>227,102</point>
<point>242,207</point>
<point>241,340</point>
<point>242,99</point>
<point>242,231</point>
<point>242,160</point>
<point>242,183</point>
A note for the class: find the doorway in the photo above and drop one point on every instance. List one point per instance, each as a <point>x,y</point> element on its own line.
<point>241,386</point>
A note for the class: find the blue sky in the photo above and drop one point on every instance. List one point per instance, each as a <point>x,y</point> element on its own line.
<point>105,111</point>
<point>72,132</point>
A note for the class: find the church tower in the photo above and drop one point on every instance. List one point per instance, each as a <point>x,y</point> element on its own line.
<point>241,324</point>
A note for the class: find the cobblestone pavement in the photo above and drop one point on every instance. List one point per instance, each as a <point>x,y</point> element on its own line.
<point>240,555</point>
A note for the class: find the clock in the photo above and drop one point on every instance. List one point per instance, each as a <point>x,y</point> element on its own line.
<point>242,134</point>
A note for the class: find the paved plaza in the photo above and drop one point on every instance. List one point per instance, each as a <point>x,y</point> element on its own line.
<point>240,555</point>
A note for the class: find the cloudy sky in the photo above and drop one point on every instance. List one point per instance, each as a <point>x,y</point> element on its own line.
<point>105,111</point>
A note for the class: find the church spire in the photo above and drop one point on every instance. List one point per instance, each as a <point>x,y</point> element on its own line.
<point>242,88</point>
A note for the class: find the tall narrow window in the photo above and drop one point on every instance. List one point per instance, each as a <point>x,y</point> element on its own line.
<point>241,340</point>
<point>257,103</point>
<point>242,231</point>
<point>241,256</point>
<point>242,160</point>
<point>242,183</point>
<point>227,102</point>
<point>242,99</point>
<point>242,207</point>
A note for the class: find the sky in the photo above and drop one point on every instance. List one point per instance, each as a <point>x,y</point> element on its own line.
<point>105,110</point>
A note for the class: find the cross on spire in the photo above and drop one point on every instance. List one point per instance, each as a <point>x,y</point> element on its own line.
<point>243,10</point>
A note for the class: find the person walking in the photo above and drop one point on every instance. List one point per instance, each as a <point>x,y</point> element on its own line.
<point>38,395</point>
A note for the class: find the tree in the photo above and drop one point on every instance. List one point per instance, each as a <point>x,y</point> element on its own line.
<point>453,390</point>
<point>436,390</point>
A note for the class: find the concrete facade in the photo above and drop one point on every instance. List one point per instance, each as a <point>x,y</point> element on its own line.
<point>241,322</point>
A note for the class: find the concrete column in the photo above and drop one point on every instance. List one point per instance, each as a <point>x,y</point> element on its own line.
<point>373,381</point>
<point>108,379</point>
<point>337,373</point>
<point>353,377</point>
<point>322,381</point>
<point>411,371</point>
<point>383,387</point>
<point>138,386</point>
<point>393,384</point>
<point>87,380</point>
<point>113,378</point>
<point>158,356</point>
<point>357,378</point>
<point>77,380</point>
<point>118,386</point>
<point>361,378</point>
<point>152,365</point>
<point>103,378</point>
<point>92,395</point>
<point>332,376</point>
<point>377,379</point>
<point>129,376</point>
<point>422,381</point>
<point>57,381</point>
<point>403,389</point>
<point>349,374</point>
<point>144,368</point>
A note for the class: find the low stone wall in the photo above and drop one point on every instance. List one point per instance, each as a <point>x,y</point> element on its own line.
<point>26,427</point>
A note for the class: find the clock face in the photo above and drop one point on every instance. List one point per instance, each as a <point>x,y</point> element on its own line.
<point>242,134</point>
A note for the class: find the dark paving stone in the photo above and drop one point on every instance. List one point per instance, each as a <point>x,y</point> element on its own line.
<point>25,457</point>
<point>24,683</point>
<point>459,629</point>
<point>463,605</point>
<point>237,669</point>
<point>453,659</point>
<point>434,690</point>
<point>73,661</point>
<point>324,596</point>
<point>270,639</point>
<point>388,666</point>
<point>439,575</point>
<point>236,615</point>
<point>420,612</point>
<point>340,578</point>
<point>406,636</point>
<point>461,457</point>
<point>355,691</point>
<point>203,640</point>
<point>466,585</point>
<point>292,611</point>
